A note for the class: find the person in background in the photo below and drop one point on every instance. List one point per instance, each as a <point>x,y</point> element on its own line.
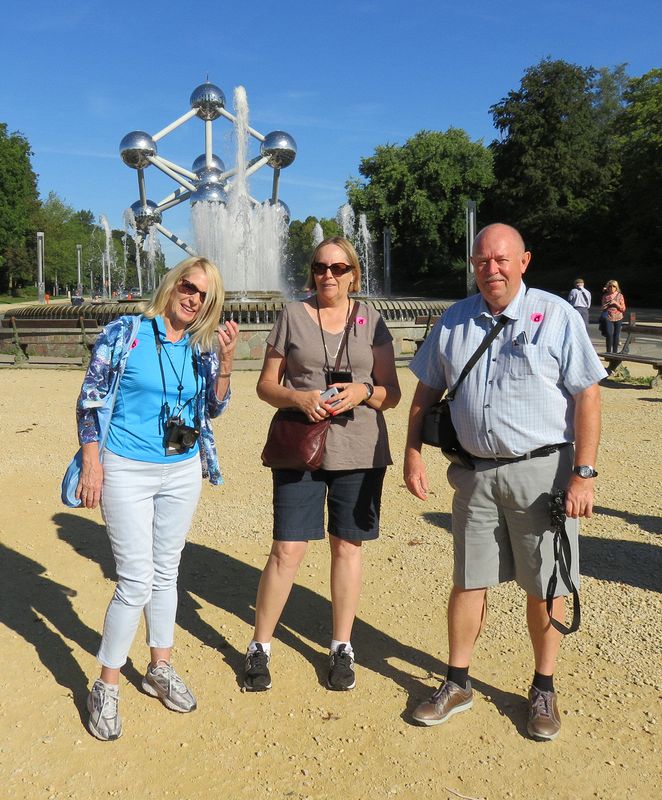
<point>528,413</point>
<point>580,299</point>
<point>159,446</point>
<point>299,364</point>
<point>613,308</point>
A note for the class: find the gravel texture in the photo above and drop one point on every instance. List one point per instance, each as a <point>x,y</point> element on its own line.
<point>300,740</point>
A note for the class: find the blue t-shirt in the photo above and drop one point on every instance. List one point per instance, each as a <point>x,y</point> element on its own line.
<point>138,426</point>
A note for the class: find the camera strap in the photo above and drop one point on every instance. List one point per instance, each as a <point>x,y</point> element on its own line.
<point>180,378</point>
<point>562,558</point>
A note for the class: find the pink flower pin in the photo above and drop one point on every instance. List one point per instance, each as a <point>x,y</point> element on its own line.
<point>537,316</point>
<point>360,320</point>
<point>134,343</point>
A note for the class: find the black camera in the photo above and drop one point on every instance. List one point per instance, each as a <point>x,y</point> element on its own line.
<point>179,437</point>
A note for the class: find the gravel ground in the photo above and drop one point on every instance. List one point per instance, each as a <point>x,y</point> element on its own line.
<point>300,740</point>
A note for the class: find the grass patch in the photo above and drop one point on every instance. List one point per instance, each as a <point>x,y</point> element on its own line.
<point>622,375</point>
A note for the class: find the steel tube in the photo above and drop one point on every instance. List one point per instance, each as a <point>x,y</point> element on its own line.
<point>171,173</point>
<point>192,113</point>
<point>175,239</point>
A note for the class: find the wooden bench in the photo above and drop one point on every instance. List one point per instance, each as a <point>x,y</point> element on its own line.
<point>428,320</point>
<point>45,322</point>
<point>55,361</point>
<point>645,341</point>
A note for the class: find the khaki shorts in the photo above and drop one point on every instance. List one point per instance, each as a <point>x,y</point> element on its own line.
<point>501,523</point>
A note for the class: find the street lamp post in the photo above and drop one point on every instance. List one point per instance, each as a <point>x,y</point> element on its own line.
<point>470,215</point>
<point>41,289</point>
<point>79,283</point>
<point>387,262</point>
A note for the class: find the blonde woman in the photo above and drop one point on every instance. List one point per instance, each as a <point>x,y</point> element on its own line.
<point>613,307</point>
<point>174,364</point>
<point>299,365</point>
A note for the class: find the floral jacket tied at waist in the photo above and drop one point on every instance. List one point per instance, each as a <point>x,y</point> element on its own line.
<point>112,344</point>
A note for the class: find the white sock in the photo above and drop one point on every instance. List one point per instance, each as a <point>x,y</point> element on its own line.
<point>266,646</point>
<point>335,644</point>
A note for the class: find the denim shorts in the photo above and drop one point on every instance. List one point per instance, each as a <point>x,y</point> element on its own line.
<point>353,500</point>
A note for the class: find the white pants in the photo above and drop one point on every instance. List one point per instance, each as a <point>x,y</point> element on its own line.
<point>148,510</point>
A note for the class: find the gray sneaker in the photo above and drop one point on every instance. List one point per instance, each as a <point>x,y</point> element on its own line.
<point>103,704</point>
<point>544,722</point>
<point>449,699</point>
<point>163,682</point>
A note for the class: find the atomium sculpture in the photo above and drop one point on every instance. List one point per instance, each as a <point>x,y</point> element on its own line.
<point>208,183</point>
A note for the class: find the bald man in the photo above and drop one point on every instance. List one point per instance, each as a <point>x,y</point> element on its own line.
<point>528,413</point>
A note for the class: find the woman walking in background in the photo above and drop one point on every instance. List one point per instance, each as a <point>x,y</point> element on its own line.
<point>613,307</point>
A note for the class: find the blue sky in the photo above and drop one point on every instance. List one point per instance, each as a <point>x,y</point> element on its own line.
<point>340,77</point>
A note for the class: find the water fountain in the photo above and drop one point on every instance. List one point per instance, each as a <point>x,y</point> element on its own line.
<point>244,236</point>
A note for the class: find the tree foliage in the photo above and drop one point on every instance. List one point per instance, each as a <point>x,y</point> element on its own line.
<point>555,163</point>
<point>639,197</point>
<point>301,246</point>
<point>419,190</point>
<point>18,203</point>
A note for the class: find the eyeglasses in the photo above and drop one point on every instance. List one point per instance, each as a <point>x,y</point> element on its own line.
<point>186,287</point>
<point>337,270</point>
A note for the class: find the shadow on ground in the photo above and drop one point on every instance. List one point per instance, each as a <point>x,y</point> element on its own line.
<point>231,585</point>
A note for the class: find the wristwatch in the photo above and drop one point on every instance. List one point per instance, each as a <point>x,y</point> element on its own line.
<point>585,471</point>
<point>371,390</point>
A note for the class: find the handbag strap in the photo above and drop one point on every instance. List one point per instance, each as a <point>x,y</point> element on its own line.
<point>348,327</point>
<point>479,352</point>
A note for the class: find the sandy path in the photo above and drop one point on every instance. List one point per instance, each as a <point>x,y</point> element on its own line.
<point>300,740</point>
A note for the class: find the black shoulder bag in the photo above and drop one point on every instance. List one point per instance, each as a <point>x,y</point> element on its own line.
<point>438,429</point>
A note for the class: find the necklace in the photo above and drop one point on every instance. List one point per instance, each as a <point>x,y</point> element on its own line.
<point>330,354</point>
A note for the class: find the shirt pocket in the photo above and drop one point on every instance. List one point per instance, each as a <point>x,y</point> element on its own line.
<point>522,361</point>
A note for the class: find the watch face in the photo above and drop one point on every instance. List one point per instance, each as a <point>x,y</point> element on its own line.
<point>584,472</point>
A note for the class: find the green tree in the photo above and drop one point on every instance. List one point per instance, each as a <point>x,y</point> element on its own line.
<point>419,190</point>
<point>556,165</point>
<point>301,245</point>
<point>18,203</point>
<point>638,211</point>
<point>64,228</point>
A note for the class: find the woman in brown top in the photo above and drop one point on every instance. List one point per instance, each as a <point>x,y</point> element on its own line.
<point>298,366</point>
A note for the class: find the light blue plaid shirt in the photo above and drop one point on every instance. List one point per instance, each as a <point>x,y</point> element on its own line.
<point>519,396</point>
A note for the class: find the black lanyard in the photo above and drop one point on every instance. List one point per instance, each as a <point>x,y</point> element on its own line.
<point>344,342</point>
<point>180,378</point>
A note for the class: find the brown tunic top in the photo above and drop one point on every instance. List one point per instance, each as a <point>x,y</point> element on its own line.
<point>359,443</point>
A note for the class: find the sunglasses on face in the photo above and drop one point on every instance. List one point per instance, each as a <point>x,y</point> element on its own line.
<point>337,270</point>
<point>186,287</point>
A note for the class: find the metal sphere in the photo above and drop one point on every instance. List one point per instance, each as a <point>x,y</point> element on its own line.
<point>145,215</point>
<point>208,100</point>
<point>209,193</point>
<point>282,207</point>
<point>280,148</point>
<point>201,163</point>
<point>211,175</point>
<point>135,147</point>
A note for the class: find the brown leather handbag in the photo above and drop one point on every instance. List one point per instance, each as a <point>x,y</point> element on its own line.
<point>294,442</point>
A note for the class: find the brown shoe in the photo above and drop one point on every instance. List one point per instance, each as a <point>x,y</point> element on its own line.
<point>449,699</point>
<point>544,721</point>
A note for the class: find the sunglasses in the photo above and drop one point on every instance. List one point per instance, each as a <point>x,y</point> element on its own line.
<point>337,270</point>
<point>186,287</point>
